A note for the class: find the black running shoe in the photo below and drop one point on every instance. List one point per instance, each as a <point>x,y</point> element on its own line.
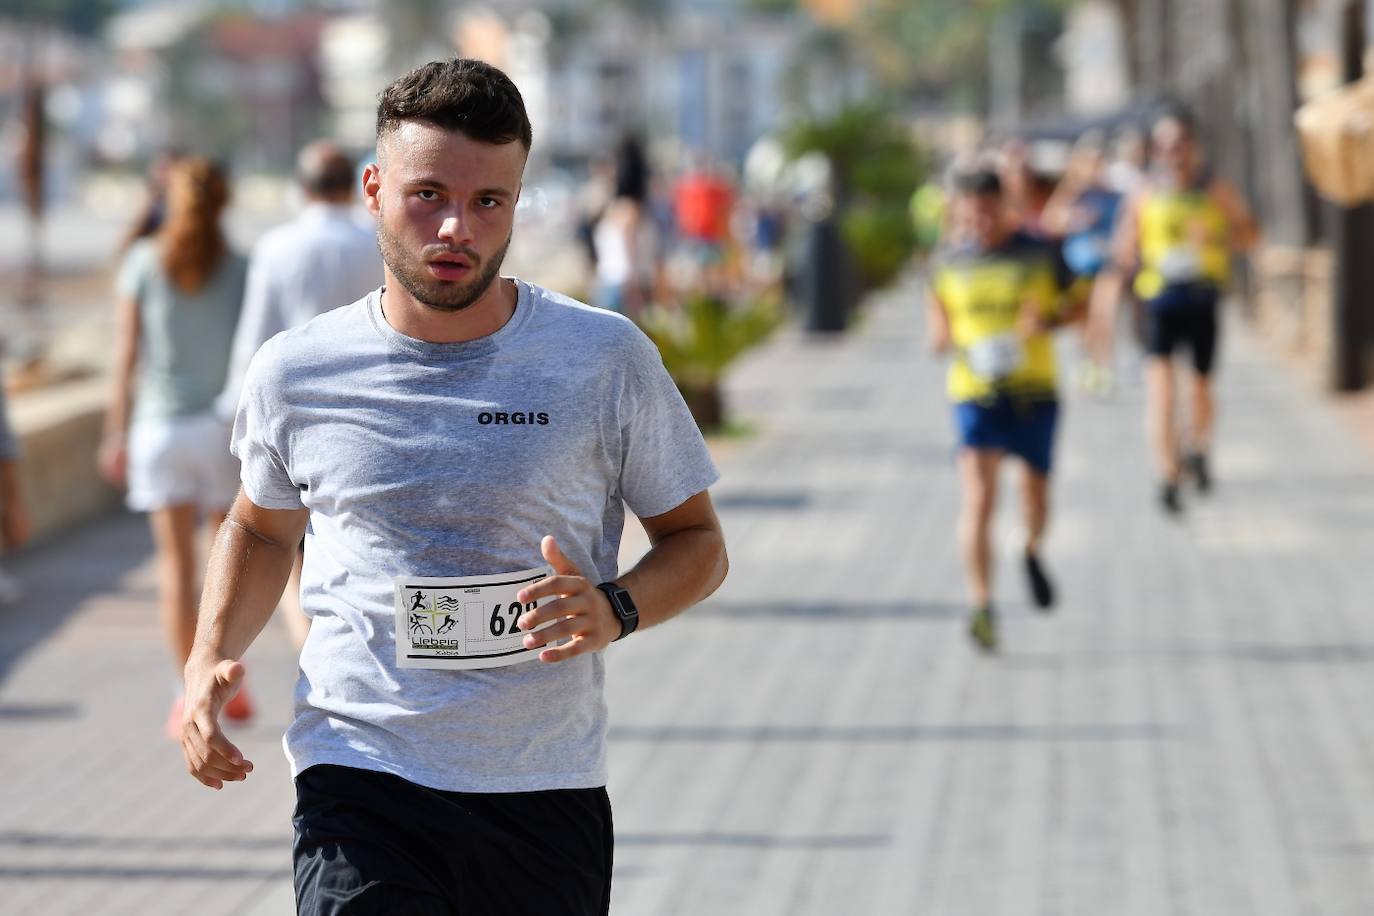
<point>1196,463</point>
<point>1169,499</point>
<point>982,626</point>
<point>1042,589</point>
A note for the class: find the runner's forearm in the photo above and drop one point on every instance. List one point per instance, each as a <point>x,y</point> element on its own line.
<point>248,571</point>
<point>681,570</point>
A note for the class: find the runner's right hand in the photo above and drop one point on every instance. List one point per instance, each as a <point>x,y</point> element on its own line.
<point>210,757</point>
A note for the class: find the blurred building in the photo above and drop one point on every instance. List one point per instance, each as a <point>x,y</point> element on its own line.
<point>698,76</point>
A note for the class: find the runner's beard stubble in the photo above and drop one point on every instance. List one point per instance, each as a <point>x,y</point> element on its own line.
<point>438,294</point>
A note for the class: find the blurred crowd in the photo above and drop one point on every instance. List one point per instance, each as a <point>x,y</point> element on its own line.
<point>191,311</point>
<point>650,239</point>
<point>1024,248</point>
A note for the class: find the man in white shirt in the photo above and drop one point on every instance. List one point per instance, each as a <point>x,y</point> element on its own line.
<point>317,262</point>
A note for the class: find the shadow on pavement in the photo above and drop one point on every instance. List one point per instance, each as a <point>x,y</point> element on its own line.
<point>1254,653</point>
<point>32,840</point>
<point>28,712</point>
<point>58,577</point>
<point>860,734</point>
<point>755,840</point>
<point>839,611</point>
<point>144,873</point>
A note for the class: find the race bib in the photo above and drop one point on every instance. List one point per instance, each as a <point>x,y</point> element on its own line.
<point>462,623</point>
<point>1180,264</point>
<point>996,357</point>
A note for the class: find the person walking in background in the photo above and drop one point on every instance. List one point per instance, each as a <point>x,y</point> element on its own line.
<point>318,261</point>
<point>1177,235</point>
<point>996,294</point>
<point>624,239</point>
<point>154,210</point>
<point>178,299</point>
<point>703,200</point>
<point>1082,212</point>
<point>14,516</point>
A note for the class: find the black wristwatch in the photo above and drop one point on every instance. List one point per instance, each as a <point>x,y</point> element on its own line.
<point>624,607</point>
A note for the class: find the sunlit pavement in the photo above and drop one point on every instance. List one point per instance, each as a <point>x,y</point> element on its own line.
<point>1187,733</point>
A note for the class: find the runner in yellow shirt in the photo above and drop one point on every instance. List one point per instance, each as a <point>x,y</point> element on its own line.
<point>1177,235</point>
<point>996,294</point>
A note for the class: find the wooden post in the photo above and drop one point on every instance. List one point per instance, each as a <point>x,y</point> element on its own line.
<point>1352,245</point>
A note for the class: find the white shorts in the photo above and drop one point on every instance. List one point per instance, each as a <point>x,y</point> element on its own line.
<point>175,461</point>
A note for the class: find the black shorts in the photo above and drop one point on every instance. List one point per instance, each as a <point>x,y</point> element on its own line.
<point>372,843</point>
<point>1184,315</point>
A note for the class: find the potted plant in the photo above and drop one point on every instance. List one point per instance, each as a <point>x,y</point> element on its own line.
<point>701,338</point>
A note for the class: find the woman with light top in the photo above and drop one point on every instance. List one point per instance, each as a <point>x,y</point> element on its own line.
<point>179,293</point>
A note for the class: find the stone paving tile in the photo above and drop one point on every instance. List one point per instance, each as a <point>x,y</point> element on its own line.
<point>1185,735</point>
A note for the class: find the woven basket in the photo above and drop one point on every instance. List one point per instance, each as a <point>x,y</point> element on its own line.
<point>1337,135</point>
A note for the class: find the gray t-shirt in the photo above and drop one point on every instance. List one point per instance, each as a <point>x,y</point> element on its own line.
<point>184,338</point>
<point>397,448</point>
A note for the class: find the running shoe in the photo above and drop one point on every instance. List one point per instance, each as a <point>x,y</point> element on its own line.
<point>1196,464</point>
<point>982,628</point>
<point>1042,589</point>
<point>173,726</point>
<point>240,707</point>
<point>1169,498</point>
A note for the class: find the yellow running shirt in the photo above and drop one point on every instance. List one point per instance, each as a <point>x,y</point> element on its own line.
<point>982,293</point>
<point>1183,239</point>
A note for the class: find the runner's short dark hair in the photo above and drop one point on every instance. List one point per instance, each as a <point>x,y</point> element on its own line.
<point>459,94</point>
<point>1178,112</point>
<point>978,181</point>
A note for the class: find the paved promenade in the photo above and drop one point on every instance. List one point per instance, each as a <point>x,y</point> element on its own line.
<point>1188,734</point>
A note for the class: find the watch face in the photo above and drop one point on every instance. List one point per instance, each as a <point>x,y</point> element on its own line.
<point>622,603</point>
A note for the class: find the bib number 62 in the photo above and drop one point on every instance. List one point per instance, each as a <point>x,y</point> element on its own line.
<point>498,624</point>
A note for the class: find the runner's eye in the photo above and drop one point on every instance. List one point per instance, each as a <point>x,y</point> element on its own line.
<point>488,203</point>
<point>427,194</point>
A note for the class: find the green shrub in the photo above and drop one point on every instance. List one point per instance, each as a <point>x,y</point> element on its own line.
<point>700,339</point>
<point>881,237</point>
<point>877,166</point>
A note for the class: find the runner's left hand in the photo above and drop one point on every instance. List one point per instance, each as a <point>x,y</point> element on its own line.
<point>582,611</point>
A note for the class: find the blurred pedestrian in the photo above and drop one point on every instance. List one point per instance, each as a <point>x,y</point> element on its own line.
<point>593,196</point>
<point>996,295</point>
<point>703,200</point>
<point>927,209</point>
<point>178,297</point>
<point>154,208</point>
<point>1127,170</point>
<point>322,259</point>
<point>1177,235</point>
<point>1027,184</point>
<point>624,238</point>
<point>462,447</point>
<point>1082,212</point>
<point>14,516</point>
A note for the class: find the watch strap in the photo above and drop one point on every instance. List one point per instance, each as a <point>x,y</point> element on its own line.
<point>619,597</point>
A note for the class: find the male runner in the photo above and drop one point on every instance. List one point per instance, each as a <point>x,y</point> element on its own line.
<point>449,435</point>
<point>996,293</point>
<point>1178,233</point>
